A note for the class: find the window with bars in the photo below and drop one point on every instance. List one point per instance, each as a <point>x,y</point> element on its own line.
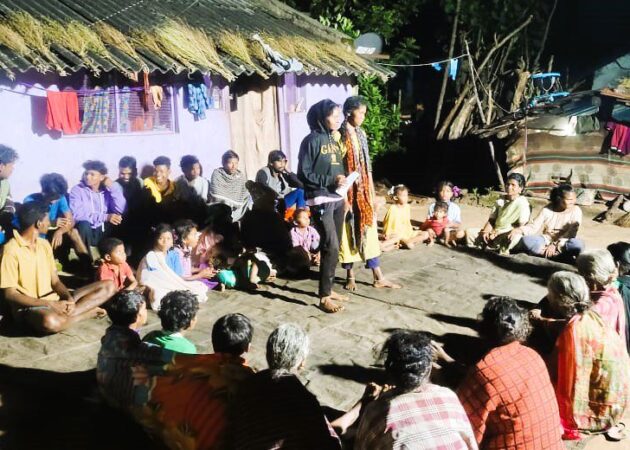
<point>123,110</point>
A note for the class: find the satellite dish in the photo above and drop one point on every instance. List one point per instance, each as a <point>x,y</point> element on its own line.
<point>368,44</point>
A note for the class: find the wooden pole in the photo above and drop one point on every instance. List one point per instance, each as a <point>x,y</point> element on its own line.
<point>451,48</point>
<point>497,168</point>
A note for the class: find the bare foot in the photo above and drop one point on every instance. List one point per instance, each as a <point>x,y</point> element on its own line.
<point>383,283</point>
<point>407,244</point>
<point>328,306</point>
<point>338,297</point>
<point>350,285</point>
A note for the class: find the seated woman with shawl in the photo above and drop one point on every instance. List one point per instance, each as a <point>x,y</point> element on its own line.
<point>227,185</point>
<point>593,368</point>
<point>509,212</point>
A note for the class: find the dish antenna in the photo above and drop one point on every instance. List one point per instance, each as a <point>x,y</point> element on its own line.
<point>368,44</point>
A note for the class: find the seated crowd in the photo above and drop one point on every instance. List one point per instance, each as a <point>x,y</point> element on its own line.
<point>549,374</point>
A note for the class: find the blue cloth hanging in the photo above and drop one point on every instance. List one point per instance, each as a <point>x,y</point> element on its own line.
<point>452,68</point>
<point>198,100</point>
<point>437,66</point>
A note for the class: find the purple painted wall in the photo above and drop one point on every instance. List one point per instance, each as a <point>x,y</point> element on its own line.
<point>23,128</point>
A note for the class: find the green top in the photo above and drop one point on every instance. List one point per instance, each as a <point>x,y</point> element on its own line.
<point>171,341</point>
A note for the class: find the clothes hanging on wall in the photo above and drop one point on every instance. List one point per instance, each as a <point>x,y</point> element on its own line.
<point>123,119</point>
<point>452,68</point>
<point>146,98</point>
<point>96,113</point>
<point>620,140</point>
<point>62,112</point>
<point>157,93</point>
<point>198,101</point>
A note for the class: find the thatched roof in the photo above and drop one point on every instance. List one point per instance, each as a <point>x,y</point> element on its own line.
<point>208,36</point>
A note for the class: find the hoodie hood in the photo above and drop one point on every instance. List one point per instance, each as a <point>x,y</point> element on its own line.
<point>316,116</point>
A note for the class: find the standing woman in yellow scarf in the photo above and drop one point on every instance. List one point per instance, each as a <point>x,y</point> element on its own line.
<point>359,240</point>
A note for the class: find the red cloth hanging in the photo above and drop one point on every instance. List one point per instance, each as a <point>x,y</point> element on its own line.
<point>621,137</point>
<point>63,112</point>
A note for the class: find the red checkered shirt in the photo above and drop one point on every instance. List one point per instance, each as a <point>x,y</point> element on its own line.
<point>511,402</point>
<point>431,418</point>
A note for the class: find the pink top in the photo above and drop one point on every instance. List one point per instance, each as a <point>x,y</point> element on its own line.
<point>609,305</point>
<point>185,258</point>
<point>307,238</point>
<point>207,240</point>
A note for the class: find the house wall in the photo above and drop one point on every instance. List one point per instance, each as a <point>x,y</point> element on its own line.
<point>42,151</point>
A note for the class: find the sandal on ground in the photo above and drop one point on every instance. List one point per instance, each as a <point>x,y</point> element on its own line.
<point>617,433</point>
<point>328,306</point>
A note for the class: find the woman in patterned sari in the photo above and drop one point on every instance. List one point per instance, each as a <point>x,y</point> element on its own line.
<point>359,241</point>
<point>593,368</point>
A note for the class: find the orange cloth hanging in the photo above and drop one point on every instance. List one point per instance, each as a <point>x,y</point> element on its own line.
<point>63,112</point>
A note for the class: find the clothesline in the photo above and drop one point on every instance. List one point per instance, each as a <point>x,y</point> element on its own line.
<point>85,92</point>
<point>425,64</point>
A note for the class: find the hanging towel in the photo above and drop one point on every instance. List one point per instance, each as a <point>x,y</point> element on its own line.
<point>198,100</point>
<point>96,113</point>
<point>158,94</point>
<point>437,66</point>
<point>620,141</point>
<point>63,112</point>
<point>452,68</point>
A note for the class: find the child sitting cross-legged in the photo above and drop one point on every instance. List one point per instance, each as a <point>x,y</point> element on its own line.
<point>178,314</point>
<point>397,228</point>
<point>186,238</point>
<point>305,236</point>
<point>113,265</point>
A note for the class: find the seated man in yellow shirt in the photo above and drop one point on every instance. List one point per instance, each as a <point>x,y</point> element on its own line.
<point>32,289</point>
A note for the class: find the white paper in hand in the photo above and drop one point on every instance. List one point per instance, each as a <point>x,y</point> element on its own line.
<point>350,180</point>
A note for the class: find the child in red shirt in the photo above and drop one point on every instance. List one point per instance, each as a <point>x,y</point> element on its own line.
<point>114,265</point>
<point>437,225</point>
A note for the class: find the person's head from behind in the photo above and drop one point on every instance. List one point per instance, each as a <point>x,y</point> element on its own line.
<point>503,321</point>
<point>8,156</point>
<point>620,252</point>
<point>127,169</point>
<point>287,348</point>
<point>400,194</point>
<point>598,268</point>
<point>277,161</point>
<point>178,311</point>
<point>94,173</point>
<point>515,185</point>
<point>186,233</point>
<point>444,191</point>
<point>229,162</point>
<point>440,210</point>
<point>355,110</point>
<point>301,218</point>
<point>127,309</point>
<point>161,169</point>
<point>325,116</point>
<point>54,186</point>
<point>567,294</point>
<point>562,197</point>
<point>191,167</point>
<point>264,197</point>
<point>163,238</point>
<point>33,215</point>
<point>112,251</point>
<point>408,359</point>
<point>232,334</point>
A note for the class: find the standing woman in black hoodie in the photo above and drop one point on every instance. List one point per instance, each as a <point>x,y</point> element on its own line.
<point>321,169</point>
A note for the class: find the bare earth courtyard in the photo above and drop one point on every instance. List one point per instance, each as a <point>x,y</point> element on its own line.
<point>47,395</point>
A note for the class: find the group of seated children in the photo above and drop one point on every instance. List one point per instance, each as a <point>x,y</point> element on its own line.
<point>552,234</point>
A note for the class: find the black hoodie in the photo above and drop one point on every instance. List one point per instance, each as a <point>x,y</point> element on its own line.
<point>320,157</point>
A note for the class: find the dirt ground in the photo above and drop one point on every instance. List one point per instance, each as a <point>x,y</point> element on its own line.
<point>47,384</point>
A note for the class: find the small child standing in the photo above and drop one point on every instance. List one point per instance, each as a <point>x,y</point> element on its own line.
<point>178,314</point>
<point>305,236</point>
<point>444,193</point>
<point>155,271</point>
<point>114,265</point>
<point>397,228</point>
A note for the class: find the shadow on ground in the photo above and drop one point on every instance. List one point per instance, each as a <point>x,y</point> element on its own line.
<point>41,409</point>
